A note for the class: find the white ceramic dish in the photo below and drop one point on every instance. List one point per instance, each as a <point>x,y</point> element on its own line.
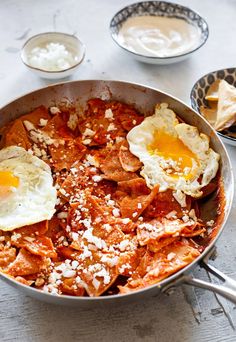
<point>72,44</point>
<point>161,9</point>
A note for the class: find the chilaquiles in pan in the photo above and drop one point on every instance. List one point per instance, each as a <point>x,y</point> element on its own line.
<point>103,201</point>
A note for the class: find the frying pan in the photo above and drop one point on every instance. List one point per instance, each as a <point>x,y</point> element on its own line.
<point>144,99</point>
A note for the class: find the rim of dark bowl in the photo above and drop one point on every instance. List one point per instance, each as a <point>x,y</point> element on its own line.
<point>203,41</point>
<point>196,107</point>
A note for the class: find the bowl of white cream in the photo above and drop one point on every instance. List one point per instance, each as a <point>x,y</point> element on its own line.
<point>158,32</point>
<point>53,55</point>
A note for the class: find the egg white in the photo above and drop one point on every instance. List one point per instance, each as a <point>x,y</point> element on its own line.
<point>207,163</point>
<point>35,198</point>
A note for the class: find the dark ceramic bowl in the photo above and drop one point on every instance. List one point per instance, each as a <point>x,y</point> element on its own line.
<point>163,9</point>
<point>201,87</point>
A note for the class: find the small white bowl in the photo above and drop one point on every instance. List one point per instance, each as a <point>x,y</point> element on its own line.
<point>72,44</point>
<point>160,9</point>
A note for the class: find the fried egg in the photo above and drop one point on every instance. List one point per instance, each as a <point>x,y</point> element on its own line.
<point>27,194</point>
<point>174,155</point>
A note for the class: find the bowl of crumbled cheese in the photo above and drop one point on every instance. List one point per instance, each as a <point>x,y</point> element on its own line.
<point>53,55</point>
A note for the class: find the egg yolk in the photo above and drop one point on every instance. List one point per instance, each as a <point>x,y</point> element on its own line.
<point>178,157</point>
<point>7,180</point>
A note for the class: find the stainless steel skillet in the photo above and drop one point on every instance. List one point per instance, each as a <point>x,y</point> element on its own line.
<point>144,99</point>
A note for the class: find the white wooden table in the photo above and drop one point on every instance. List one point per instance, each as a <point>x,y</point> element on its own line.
<point>188,315</point>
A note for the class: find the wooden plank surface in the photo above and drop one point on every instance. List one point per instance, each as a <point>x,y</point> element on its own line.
<point>189,314</point>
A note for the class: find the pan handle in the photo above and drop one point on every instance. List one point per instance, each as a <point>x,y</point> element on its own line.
<point>227,289</point>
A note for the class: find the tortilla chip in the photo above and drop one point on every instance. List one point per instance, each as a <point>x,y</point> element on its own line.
<point>209,114</point>
<point>112,167</point>
<point>70,287</point>
<point>226,113</point>
<point>213,92</point>
<point>26,263</point>
<point>65,155</point>
<point>153,231</point>
<point>17,136</point>
<point>154,267</point>
<point>35,116</point>
<point>128,161</point>
<point>7,256</point>
<point>134,197</point>
<point>38,245</point>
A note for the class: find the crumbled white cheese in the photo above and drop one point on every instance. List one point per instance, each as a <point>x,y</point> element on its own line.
<point>78,280</point>
<point>210,223</point>
<point>74,236</point>
<point>171,256</point>
<point>119,139</point>
<point>104,274</point>
<point>109,114</point>
<point>62,215</point>
<point>185,218</point>
<point>86,253</point>
<point>111,262</point>
<point>123,267</point>
<point>92,160</point>
<point>192,214</point>
<point>15,236</point>
<point>37,135</point>
<point>96,283</point>
<point>74,264</point>
<point>29,238</point>
<point>43,122</point>
<point>108,227</point>
<point>171,214</point>
<point>73,170</point>
<point>111,127</point>
<point>111,203</point>
<point>99,243</point>
<point>116,212</point>
<point>68,273</point>
<point>52,57</point>
<point>86,141</point>
<point>123,245</point>
<point>54,110</point>
<point>96,178</point>
<point>180,197</point>
<point>28,125</point>
<point>73,121</point>
<point>88,132</point>
<point>126,220</point>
